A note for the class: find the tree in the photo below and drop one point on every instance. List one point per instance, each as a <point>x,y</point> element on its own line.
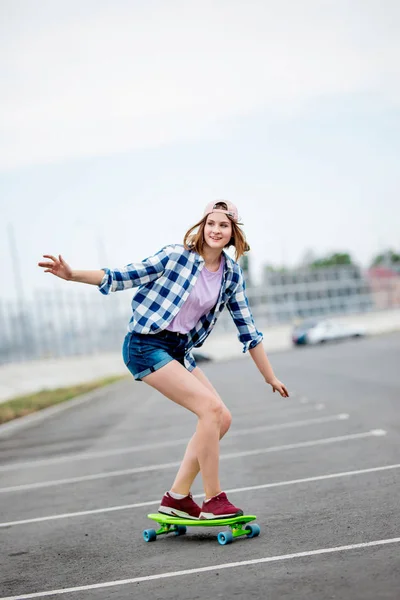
<point>245,264</point>
<point>388,257</point>
<point>335,259</point>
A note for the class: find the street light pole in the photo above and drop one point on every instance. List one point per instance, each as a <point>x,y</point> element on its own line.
<point>19,287</point>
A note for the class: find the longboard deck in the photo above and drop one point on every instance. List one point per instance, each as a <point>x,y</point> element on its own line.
<point>168,520</point>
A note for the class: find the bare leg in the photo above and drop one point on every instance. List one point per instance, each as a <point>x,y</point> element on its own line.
<point>190,466</point>
<point>186,389</point>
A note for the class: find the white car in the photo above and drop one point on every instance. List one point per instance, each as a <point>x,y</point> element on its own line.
<point>318,331</point>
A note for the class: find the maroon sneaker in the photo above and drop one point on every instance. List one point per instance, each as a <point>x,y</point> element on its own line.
<point>219,507</point>
<point>185,508</point>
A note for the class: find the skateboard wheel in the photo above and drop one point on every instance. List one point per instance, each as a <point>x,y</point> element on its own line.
<point>253,530</point>
<point>180,530</point>
<point>149,535</point>
<point>225,537</point>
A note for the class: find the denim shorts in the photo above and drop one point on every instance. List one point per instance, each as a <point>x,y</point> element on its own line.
<point>144,354</point>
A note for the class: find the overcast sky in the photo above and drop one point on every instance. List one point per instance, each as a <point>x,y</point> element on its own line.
<point>121,119</point>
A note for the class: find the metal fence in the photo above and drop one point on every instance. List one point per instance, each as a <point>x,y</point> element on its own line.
<point>57,323</point>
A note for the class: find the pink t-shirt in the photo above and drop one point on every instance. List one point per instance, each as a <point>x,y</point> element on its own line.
<point>201,299</point>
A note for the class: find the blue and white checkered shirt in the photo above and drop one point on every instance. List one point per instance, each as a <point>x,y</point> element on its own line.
<point>165,281</point>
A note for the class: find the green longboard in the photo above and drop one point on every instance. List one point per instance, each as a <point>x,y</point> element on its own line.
<point>237,525</point>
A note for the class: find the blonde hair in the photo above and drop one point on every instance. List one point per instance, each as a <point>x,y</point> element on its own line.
<point>194,237</point>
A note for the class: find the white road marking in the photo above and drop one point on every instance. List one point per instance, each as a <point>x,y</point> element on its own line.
<point>170,465</point>
<point>313,479</point>
<point>317,420</point>
<point>261,486</point>
<point>142,448</point>
<point>120,473</point>
<point>232,565</point>
<point>277,410</point>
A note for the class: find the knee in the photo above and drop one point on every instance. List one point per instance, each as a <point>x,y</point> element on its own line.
<point>221,415</point>
<point>215,409</point>
<point>226,421</point>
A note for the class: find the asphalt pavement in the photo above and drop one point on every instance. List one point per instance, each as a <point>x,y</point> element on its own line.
<point>321,470</point>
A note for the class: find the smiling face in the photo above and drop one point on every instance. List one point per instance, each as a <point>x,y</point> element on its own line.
<point>217,230</point>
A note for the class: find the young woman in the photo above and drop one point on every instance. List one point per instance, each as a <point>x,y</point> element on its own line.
<point>182,291</point>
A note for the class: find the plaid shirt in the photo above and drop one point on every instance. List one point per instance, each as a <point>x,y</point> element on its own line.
<point>165,281</point>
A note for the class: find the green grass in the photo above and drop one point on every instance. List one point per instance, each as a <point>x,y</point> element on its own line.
<point>24,405</point>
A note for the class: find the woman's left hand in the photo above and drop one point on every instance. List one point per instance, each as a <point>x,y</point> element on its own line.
<point>278,386</point>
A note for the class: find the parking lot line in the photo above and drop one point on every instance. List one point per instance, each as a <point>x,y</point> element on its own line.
<point>168,444</point>
<point>163,466</point>
<point>262,486</point>
<point>187,572</point>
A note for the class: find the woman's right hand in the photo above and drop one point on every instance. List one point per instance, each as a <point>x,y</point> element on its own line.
<point>57,267</point>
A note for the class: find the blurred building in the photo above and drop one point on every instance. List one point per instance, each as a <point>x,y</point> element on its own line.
<point>307,291</point>
<point>384,282</point>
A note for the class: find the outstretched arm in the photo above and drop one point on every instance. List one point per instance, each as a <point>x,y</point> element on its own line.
<point>61,269</point>
<point>112,280</point>
<point>238,306</point>
<point>262,363</point>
